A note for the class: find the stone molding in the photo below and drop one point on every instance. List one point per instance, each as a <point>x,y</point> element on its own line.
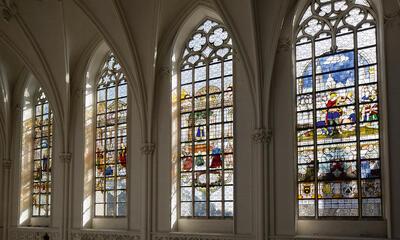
<point>104,235</point>
<point>148,148</point>
<point>284,45</point>
<point>165,70</point>
<point>199,236</point>
<point>66,157</point>
<point>391,18</point>
<point>7,164</point>
<point>28,233</point>
<point>261,136</point>
<point>9,10</point>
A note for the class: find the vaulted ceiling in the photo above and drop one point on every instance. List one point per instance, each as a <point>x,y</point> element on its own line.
<point>52,39</point>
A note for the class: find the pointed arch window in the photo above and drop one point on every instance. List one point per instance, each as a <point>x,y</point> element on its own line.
<point>205,90</point>
<point>111,140</point>
<point>338,136</point>
<point>42,160</point>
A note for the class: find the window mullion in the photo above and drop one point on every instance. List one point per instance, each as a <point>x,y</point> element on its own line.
<point>357,112</point>
<point>193,141</point>
<point>208,191</point>
<point>223,137</point>
<point>315,130</point>
<point>116,147</point>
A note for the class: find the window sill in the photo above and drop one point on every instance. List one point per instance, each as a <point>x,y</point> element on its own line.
<point>344,228</point>
<point>38,222</point>
<point>205,225</point>
<point>119,223</point>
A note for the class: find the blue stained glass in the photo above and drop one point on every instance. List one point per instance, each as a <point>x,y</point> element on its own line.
<point>367,56</point>
<point>304,85</point>
<point>42,157</point>
<point>335,116</point>
<point>304,68</point>
<point>338,111</point>
<point>336,134</point>
<point>110,208</point>
<point>200,209</point>
<point>228,209</point>
<point>110,164</point>
<point>370,169</point>
<point>215,208</point>
<point>121,209</point>
<point>338,207</point>
<point>334,80</point>
<point>367,74</point>
<point>335,62</point>
<point>206,124</point>
<point>110,196</point>
<point>337,152</point>
<point>122,91</point>
<point>337,171</point>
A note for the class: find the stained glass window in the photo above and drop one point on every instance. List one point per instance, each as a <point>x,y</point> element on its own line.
<point>111,140</point>
<point>42,157</point>
<point>338,143</point>
<point>206,124</point>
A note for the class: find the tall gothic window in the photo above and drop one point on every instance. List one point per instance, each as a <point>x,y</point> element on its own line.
<point>111,140</point>
<point>206,119</point>
<point>42,160</point>
<point>338,137</point>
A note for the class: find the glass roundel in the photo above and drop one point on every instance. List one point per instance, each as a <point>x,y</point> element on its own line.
<point>42,157</point>
<point>111,140</point>
<point>206,123</point>
<point>338,143</point>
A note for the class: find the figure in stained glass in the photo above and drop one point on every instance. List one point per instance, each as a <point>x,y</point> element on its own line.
<point>206,123</point>
<point>111,140</point>
<point>42,145</point>
<point>337,111</point>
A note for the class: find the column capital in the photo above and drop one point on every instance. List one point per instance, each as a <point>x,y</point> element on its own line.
<point>165,70</point>
<point>261,135</point>
<point>284,44</point>
<point>148,148</point>
<point>9,11</point>
<point>65,157</point>
<point>7,163</point>
<point>391,17</point>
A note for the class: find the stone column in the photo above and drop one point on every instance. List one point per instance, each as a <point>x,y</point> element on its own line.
<point>66,159</point>
<point>6,195</point>
<point>147,150</point>
<point>261,137</point>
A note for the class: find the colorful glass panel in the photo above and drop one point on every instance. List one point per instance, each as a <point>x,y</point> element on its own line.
<point>206,124</point>
<point>42,157</point>
<point>111,141</point>
<point>338,157</point>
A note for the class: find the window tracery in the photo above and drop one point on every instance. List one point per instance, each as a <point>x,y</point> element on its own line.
<point>338,142</point>
<point>111,141</point>
<point>42,157</point>
<point>205,96</point>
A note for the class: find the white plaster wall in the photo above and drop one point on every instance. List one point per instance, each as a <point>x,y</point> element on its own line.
<point>392,53</point>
